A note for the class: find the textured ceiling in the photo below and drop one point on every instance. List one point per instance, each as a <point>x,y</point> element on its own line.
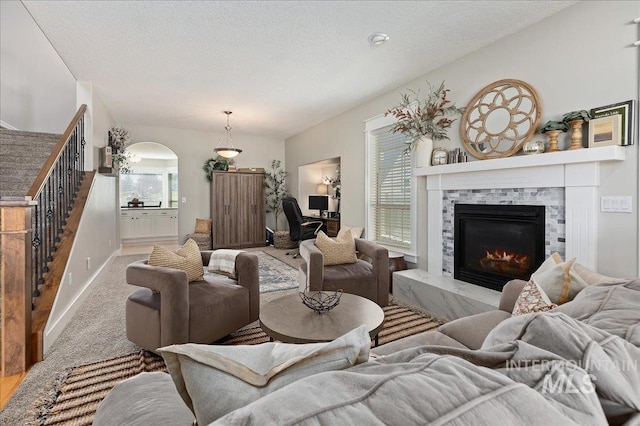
<point>280,66</point>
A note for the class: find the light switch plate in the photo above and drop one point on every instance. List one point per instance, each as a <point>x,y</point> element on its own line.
<point>616,204</point>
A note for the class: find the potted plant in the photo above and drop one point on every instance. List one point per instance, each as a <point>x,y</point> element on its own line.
<point>424,119</point>
<point>218,163</point>
<point>276,189</point>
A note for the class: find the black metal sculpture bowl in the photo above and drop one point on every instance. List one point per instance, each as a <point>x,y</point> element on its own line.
<point>321,301</point>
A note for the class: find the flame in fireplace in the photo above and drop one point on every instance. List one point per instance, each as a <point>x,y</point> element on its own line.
<point>504,262</point>
<point>507,257</point>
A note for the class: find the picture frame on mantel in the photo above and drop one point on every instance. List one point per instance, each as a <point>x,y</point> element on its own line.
<point>605,131</point>
<point>626,110</point>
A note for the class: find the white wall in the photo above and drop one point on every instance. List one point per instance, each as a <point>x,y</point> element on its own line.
<point>572,62</point>
<point>193,148</point>
<point>96,240</point>
<point>38,90</point>
<point>97,122</point>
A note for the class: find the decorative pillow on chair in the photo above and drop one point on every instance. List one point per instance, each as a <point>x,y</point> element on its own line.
<point>203,226</point>
<point>187,258</point>
<point>559,279</point>
<point>532,299</point>
<point>339,251</point>
<point>355,231</point>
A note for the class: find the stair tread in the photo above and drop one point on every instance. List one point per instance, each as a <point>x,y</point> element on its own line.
<point>22,155</point>
<point>22,133</point>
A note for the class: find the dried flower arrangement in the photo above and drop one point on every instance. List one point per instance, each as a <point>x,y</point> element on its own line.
<point>118,139</point>
<point>430,117</point>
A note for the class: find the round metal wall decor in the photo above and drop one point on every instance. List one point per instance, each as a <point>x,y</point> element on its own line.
<point>500,118</point>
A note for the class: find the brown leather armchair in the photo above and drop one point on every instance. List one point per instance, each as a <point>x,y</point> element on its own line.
<point>170,310</point>
<point>366,279</point>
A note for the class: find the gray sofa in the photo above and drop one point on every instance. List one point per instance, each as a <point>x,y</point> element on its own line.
<point>467,333</point>
<point>460,365</point>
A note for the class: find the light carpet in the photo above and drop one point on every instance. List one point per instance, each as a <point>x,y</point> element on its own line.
<point>78,392</point>
<point>97,332</point>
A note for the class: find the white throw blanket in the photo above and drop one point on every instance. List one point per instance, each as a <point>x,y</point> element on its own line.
<point>223,262</point>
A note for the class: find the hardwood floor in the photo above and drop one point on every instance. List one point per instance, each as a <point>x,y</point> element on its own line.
<point>8,386</point>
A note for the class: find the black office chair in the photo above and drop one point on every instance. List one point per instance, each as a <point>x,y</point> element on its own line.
<point>299,229</point>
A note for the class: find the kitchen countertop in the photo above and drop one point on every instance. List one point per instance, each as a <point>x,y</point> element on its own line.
<point>147,208</point>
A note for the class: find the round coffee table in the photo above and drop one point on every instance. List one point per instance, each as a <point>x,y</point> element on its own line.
<point>288,320</point>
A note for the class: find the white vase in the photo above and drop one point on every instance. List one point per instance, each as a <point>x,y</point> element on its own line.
<point>422,154</point>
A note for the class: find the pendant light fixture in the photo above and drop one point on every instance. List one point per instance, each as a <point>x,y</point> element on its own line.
<point>229,151</point>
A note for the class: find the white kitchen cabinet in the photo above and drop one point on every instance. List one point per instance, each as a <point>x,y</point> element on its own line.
<point>148,224</point>
<point>145,224</point>
<point>127,219</point>
<point>167,223</point>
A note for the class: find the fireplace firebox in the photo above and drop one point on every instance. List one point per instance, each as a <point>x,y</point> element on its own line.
<point>497,243</point>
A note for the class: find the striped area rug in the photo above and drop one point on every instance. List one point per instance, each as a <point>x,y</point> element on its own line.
<point>77,394</point>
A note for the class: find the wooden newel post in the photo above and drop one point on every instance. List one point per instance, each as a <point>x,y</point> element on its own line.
<point>15,288</point>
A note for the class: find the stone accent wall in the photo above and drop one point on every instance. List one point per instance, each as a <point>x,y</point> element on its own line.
<point>551,198</point>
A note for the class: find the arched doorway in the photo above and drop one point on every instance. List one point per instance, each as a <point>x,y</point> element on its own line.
<point>148,196</point>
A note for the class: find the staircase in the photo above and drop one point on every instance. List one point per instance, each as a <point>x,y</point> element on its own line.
<point>43,190</point>
<point>22,155</point>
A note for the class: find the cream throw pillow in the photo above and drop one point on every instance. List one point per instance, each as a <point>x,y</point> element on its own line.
<point>594,278</point>
<point>357,232</point>
<point>339,251</point>
<point>532,299</point>
<point>215,380</point>
<point>559,279</point>
<point>187,258</point>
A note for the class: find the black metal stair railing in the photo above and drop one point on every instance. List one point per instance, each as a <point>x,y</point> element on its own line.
<point>53,194</point>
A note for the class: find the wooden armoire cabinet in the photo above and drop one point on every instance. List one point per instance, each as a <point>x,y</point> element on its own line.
<point>237,209</point>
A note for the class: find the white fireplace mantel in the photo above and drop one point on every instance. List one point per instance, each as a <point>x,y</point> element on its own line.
<point>578,172</point>
<point>591,155</point>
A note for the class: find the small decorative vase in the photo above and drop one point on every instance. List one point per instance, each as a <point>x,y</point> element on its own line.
<point>576,135</point>
<point>533,147</point>
<point>424,148</point>
<point>553,140</point>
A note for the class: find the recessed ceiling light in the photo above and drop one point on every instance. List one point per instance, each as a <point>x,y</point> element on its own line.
<point>376,39</point>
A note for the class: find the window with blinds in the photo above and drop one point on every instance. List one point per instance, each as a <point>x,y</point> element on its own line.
<point>390,190</point>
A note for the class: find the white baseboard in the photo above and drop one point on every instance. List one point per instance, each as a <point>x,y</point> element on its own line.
<point>7,125</point>
<point>52,333</point>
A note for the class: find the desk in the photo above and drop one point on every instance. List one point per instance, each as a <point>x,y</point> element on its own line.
<point>332,224</point>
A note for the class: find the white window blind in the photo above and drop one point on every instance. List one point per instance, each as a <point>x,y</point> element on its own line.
<point>390,191</point>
